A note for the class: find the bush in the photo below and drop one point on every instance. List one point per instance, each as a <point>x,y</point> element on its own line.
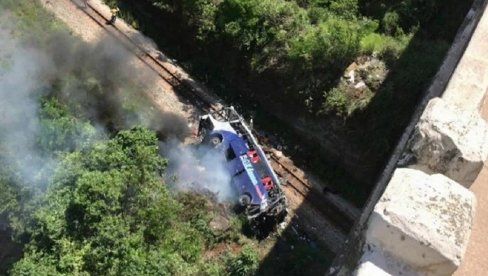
<point>245,263</point>
<point>390,23</point>
<point>329,45</point>
<point>336,101</point>
<point>344,8</point>
<point>60,131</point>
<point>383,45</point>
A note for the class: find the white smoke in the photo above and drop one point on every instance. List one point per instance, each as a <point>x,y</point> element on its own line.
<point>198,168</point>
<point>20,89</point>
<point>28,71</point>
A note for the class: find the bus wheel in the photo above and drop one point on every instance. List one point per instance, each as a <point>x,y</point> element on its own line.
<point>245,200</point>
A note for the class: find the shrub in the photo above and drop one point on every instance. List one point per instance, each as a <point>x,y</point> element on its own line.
<point>245,263</point>
<point>384,45</point>
<point>336,101</point>
<point>390,23</point>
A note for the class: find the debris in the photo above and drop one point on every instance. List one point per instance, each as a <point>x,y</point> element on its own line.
<point>283,225</point>
<point>351,76</point>
<point>113,17</point>
<point>160,56</point>
<point>219,224</point>
<point>360,85</point>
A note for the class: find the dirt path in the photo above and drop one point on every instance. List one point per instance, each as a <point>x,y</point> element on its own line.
<point>161,93</point>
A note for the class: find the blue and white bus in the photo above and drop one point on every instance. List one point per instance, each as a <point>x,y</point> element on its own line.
<point>259,189</point>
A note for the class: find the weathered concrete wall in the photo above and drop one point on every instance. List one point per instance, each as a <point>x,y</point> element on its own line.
<point>421,225</point>
<point>468,85</point>
<point>422,222</point>
<point>376,260</point>
<point>450,141</point>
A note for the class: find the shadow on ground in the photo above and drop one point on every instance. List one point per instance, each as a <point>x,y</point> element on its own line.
<point>386,116</point>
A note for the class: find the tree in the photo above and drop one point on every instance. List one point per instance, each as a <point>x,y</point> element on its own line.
<point>60,131</point>
<point>107,212</point>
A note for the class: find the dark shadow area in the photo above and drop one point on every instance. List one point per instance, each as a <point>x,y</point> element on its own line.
<point>296,251</point>
<point>390,110</point>
<point>10,251</point>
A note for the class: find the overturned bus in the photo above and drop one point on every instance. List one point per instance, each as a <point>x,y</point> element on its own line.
<point>259,189</point>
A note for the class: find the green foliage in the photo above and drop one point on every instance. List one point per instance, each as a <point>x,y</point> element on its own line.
<point>321,47</point>
<point>260,29</point>
<point>336,101</point>
<point>34,19</point>
<point>284,54</point>
<point>20,191</point>
<point>8,201</point>
<point>107,212</point>
<point>303,44</point>
<point>390,23</point>
<point>34,264</point>
<point>60,131</point>
<point>243,264</point>
<point>346,8</point>
<point>385,46</point>
<point>200,15</point>
<point>404,14</point>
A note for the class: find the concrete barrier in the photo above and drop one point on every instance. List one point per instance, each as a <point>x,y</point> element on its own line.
<point>420,226</point>
<point>356,255</point>
<point>450,141</point>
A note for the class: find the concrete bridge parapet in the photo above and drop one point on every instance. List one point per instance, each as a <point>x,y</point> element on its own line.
<point>419,217</point>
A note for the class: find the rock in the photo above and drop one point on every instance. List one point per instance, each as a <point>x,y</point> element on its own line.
<point>353,66</point>
<point>277,153</point>
<point>449,141</point>
<point>373,73</point>
<point>380,263</point>
<point>219,224</point>
<point>421,225</point>
<point>351,76</point>
<point>360,85</point>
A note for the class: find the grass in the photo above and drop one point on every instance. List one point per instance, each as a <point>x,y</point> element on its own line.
<point>382,45</point>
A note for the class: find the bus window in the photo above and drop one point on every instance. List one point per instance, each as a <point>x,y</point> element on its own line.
<point>229,153</point>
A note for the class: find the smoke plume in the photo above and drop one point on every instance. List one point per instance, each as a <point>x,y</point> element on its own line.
<point>20,89</point>
<point>92,80</point>
<point>97,82</point>
<point>198,168</point>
